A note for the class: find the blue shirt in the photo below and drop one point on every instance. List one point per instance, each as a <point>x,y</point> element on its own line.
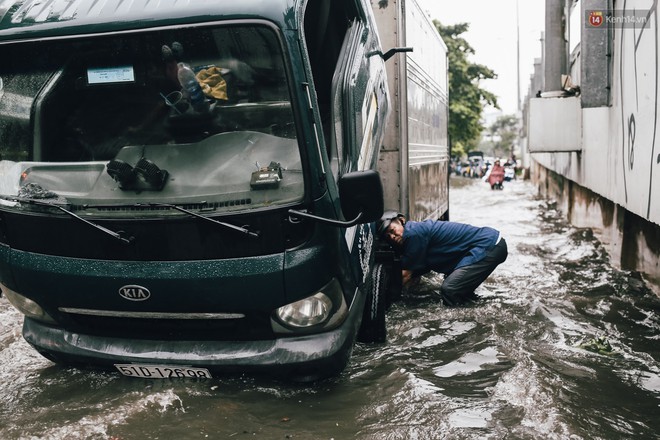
<point>444,246</point>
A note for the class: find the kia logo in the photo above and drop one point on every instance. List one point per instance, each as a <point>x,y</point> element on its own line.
<point>134,293</point>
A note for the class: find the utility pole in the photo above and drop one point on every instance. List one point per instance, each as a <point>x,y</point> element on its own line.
<point>554,50</point>
<point>518,102</point>
<point>518,56</point>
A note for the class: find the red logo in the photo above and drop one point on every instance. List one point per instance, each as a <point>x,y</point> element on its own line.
<point>596,18</point>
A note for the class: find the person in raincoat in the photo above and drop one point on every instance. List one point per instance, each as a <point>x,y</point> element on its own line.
<point>465,254</point>
<point>496,175</point>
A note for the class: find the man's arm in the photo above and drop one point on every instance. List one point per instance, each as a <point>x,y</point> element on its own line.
<point>410,278</point>
<point>406,276</point>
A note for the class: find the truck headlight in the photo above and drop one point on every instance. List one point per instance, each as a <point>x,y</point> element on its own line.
<point>323,310</point>
<point>306,312</point>
<point>26,306</point>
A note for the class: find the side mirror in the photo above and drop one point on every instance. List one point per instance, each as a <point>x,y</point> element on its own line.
<point>361,192</point>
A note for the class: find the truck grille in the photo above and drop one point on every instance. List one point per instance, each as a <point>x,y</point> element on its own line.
<point>169,326</point>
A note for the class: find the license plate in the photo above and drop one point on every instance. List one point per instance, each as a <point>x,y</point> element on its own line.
<point>162,371</point>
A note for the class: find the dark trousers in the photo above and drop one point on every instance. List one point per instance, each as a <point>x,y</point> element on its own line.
<point>459,285</point>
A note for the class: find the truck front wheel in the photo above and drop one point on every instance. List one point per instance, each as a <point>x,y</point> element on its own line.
<point>373,328</point>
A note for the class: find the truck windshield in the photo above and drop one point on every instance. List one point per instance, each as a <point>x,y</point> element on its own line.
<point>104,121</point>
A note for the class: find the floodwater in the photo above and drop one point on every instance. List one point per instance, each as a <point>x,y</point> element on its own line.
<point>560,346</point>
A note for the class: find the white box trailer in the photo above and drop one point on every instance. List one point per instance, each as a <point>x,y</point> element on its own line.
<point>413,160</point>
<point>414,157</point>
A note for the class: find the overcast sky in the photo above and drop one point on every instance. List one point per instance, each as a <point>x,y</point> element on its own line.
<point>492,34</point>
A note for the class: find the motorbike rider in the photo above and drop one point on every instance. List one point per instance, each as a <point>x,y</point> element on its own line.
<point>496,175</point>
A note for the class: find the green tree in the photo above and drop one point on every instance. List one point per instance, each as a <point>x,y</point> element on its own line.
<point>504,135</point>
<point>466,98</point>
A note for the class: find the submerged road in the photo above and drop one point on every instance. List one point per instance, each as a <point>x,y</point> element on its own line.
<point>561,345</point>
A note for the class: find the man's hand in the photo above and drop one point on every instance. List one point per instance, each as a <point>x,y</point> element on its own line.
<point>406,276</point>
<point>409,280</point>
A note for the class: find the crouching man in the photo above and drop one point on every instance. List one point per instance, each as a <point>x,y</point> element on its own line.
<point>465,254</point>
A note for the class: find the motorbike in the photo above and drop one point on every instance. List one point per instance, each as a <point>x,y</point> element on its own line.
<point>495,177</point>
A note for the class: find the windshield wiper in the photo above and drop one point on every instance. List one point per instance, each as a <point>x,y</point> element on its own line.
<point>117,235</point>
<point>240,229</point>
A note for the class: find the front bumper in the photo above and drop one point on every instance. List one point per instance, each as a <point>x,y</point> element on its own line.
<point>309,356</point>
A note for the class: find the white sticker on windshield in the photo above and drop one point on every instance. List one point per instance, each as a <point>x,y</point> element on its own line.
<point>109,75</point>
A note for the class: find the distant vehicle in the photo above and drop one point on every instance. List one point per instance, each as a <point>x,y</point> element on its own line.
<point>476,161</point>
<point>509,173</point>
<point>475,154</point>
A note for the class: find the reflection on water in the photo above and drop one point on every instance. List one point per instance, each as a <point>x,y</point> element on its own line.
<point>522,363</point>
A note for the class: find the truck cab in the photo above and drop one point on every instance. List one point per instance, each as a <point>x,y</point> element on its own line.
<point>141,233</point>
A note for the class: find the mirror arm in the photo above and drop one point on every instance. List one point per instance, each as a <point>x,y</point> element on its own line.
<point>345,224</point>
<point>390,53</point>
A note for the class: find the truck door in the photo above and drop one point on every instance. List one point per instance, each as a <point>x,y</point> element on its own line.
<point>349,81</point>
<point>358,105</point>
<point>348,78</point>
<point>359,100</point>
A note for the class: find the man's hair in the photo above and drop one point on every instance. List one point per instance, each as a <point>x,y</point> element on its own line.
<point>387,218</point>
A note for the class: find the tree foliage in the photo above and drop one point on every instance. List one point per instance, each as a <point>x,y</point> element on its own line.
<point>504,134</point>
<point>466,98</point>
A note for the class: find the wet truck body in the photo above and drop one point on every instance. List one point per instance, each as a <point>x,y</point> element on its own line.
<point>414,158</point>
<point>142,234</point>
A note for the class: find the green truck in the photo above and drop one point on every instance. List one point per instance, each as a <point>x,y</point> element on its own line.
<point>168,227</point>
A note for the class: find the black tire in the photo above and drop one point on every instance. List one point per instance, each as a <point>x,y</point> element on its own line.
<point>373,327</point>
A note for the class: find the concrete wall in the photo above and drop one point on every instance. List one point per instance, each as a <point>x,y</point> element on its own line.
<point>632,242</point>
